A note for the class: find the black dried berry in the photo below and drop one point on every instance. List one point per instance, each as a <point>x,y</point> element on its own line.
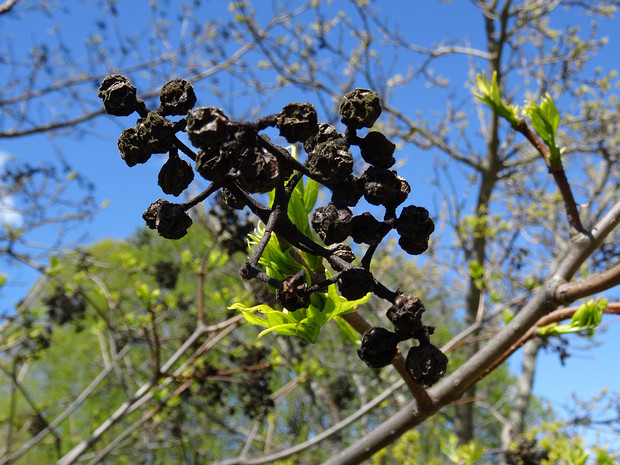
<point>177,97</point>
<point>377,150</point>
<point>207,127</point>
<point>244,135</point>
<point>415,227</point>
<point>325,132</point>
<point>118,95</point>
<point>342,251</point>
<point>331,161</point>
<point>406,315</point>
<point>230,200</point>
<point>294,292</point>
<point>384,187</point>
<point>234,151</point>
<point>297,122</point>
<point>332,224</point>
<point>212,165</point>
<point>131,148</point>
<point>360,108</point>
<point>175,175</point>
<point>150,215</point>
<point>366,229</point>
<point>355,283</point>
<point>169,219</point>
<point>426,364</point>
<point>379,347</point>
<point>259,171</point>
<point>155,132</point>
<point>347,193</point>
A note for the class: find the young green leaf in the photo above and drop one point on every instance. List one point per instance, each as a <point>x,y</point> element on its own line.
<point>311,193</point>
<point>305,323</point>
<point>545,121</point>
<point>586,318</point>
<point>490,95</point>
<point>347,331</point>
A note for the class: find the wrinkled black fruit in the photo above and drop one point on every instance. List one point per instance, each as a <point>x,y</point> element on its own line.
<point>177,97</point>
<point>297,122</point>
<point>259,171</point>
<point>331,161</point>
<point>118,95</point>
<point>355,283</point>
<point>347,193</point>
<point>175,175</point>
<point>294,293</point>
<point>379,347</point>
<point>366,229</point>
<point>332,224</point>
<point>207,127</point>
<point>415,227</point>
<point>360,108</point>
<point>155,132</point>
<point>131,148</point>
<point>384,187</point>
<point>342,251</point>
<point>406,315</point>
<point>169,219</point>
<point>377,150</point>
<point>325,133</point>
<point>426,364</point>
<point>212,165</point>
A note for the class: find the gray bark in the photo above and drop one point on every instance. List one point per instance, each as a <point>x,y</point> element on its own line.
<point>453,386</point>
<point>515,423</point>
<point>489,170</point>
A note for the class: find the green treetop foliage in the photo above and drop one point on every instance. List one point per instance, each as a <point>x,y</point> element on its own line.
<point>117,298</point>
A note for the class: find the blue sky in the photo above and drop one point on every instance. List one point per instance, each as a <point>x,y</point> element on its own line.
<point>129,191</point>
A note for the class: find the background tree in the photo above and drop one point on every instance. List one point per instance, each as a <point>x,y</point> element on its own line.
<point>504,247</point>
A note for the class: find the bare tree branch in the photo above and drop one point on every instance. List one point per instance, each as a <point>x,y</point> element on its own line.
<point>7,6</point>
<point>143,394</point>
<point>487,358</point>
<point>600,282</point>
<point>363,410</point>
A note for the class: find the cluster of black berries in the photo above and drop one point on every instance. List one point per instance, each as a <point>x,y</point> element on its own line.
<point>330,159</point>
<point>241,162</point>
<point>425,363</point>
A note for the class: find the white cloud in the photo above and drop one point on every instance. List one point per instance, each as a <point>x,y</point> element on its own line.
<point>8,212</point>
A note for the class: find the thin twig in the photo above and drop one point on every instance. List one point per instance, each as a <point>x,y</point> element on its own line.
<point>599,282</point>
<point>554,317</point>
<point>7,6</point>
<point>335,429</point>
<point>557,171</point>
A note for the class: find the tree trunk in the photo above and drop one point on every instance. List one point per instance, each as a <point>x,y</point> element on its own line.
<point>488,169</point>
<point>515,424</point>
